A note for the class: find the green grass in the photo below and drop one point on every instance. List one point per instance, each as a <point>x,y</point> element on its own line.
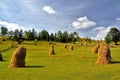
<point>78,64</point>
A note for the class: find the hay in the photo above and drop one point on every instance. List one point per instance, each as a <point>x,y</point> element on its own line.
<point>1,58</point>
<point>71,47</point>
<point>81,44</point>
<point>65,46</point>
<point>95,49</point>
<point>86,44</point>
<point>52,52</point>
<point>18,58</point>
<point>104,56</point>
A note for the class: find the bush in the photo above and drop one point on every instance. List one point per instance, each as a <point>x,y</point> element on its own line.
<point>3,40</point>
<point>35,42</point>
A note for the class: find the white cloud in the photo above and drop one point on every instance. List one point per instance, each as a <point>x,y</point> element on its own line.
<point>83,23</point>
<point>102,31</point>
<point>118,19</point>
<point>10,26</point>
<point>99,28</point>
<point>49,10</point>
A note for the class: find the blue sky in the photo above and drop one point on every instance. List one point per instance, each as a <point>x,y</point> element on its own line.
<point>90,18</point>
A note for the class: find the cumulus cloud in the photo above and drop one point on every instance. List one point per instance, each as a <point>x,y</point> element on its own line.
<point>49,10</point>
<point>102,31</point>
<point>10,26</point>
<point>118,19</point>
<point>83,23</point>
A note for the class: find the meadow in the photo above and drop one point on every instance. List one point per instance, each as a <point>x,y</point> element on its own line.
<point>78,64</point>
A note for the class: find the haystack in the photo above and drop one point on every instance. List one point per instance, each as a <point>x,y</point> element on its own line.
<point>52,52</point>
<point>1,57</point>
<point>18,58</point>
<point>81,44</point>
<point>104,56</point>
<point>65,46</point>
<point>95,49</point>
<point>71,47</point>
<point>86,44</point>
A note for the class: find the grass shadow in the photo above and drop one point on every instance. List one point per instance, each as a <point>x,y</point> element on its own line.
<point>117,44</point>
<point>115,62</point>
<point>2,60</point>
<point>34,66</point>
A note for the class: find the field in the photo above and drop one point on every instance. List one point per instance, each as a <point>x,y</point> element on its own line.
<point>78,64</point>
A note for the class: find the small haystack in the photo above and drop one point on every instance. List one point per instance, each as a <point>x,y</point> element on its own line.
<point>104,56</point>
<point>52,52</point>
<point>81,44</point>
<point>65,46</point>
<point>71,47</point>
<point>95,49</point>
<point>1,58</point>
<point>18,58</point>
<point>86,44</point>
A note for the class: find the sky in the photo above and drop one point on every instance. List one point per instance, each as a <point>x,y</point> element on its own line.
<point>90,18</point>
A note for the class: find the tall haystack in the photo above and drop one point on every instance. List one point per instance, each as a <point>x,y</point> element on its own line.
<point>95,49</point>
<point>104,56</point>
<point>65,46</point>
<point>1,58</point>
<point>71,47</point>
<point>52,52</point>
<point>18,58</point>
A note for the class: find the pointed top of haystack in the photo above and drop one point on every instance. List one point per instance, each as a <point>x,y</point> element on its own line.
<point>95,49</point>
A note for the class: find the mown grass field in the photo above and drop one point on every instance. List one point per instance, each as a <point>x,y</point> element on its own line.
<point>78,64</point>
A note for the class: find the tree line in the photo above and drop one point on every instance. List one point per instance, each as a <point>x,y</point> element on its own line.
<point>31,35</point>
<point>19,35</point>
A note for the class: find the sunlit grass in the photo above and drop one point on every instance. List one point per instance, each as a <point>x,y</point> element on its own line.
<point>64,65</point>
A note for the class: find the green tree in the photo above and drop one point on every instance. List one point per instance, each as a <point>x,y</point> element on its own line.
<point>29,35</point>
<point>64,37</point>
<point>44,35</point>
<point>72,37</point>
<point>107,39</point>
<point>59,36</point>
<point>4,30</point>
<point>113,35</point>
<point>11,33</point>
<point>18,36</point>
<point>52,37</point>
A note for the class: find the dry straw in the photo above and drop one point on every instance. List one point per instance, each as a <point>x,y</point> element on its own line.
<point>18,58</point>
<point>95,49</point>
<point>65,46</point>
<point>81,44</point>
<point>71,47</point>
<point>104,56</point>
<point>52,52</point>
